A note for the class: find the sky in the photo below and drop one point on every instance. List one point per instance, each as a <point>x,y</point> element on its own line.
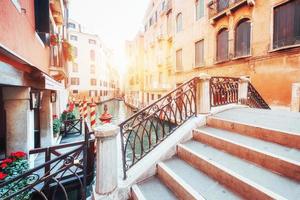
<point>115,21</point>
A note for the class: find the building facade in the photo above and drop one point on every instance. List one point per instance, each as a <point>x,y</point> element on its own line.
<point>32,72</point>
<point>92,73</point>
<point>254,38</point>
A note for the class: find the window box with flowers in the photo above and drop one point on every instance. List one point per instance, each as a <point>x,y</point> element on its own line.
<point>16,164</point>
<point>68,51</point>
<point>54,40</point>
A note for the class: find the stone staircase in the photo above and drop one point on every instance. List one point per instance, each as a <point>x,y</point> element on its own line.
<point>240,154</point>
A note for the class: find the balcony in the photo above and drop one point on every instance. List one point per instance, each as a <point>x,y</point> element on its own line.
<point>221,8</point>
<point>57,10</point>
<point>57,69</point>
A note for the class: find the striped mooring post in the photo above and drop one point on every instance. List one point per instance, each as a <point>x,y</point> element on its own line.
<point>93,114</point>
<point>80,109</point>
<point>85,109</point>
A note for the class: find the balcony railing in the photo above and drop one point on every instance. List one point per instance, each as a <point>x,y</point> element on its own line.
<point>219,8</point>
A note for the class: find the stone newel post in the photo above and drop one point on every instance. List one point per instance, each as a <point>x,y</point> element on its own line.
<point>106,156</point>
<point>203,94</point>
<point>243,89</point>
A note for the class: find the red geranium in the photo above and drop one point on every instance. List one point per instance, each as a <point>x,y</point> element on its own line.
<point>18,154</point>
<point>8,161</point>
<point>2,176</point>
<point>3,165</point>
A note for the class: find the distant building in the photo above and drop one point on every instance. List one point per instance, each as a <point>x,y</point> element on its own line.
<point>32,72</point>
<point>259,39</point>
<point>92,73</point>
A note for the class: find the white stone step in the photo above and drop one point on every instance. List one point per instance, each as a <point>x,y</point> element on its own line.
<point>248,179</point>
<point>152,189</point>
<point>189,183</point>
<point>273,156</point>
<point>278,127</point>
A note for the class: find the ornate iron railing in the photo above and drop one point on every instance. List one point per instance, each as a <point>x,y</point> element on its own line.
<point>142,132</point>
<point>218,6</point>
<point>73,126</point>
<point>254,99</point>
<point>223,90</point>
<point>57,177</point>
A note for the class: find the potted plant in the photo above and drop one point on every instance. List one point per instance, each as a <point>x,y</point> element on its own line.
<point>67,50</point>
<point>54,40</point>
<point>56,127</point>
<point>11,167</point>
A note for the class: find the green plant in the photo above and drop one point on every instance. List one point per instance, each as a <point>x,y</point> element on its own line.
<point>56,125</point>
<point>67,115</point>
<point>11,167</point>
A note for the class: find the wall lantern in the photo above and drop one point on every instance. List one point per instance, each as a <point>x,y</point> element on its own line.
<point>53,96</point>
<point>36,99</point>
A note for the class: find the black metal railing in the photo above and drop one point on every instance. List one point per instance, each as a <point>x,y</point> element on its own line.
<point>72,126</point>
<point>142,132</point>
<point>218,6</point>
<point>223,91</point>
<point>254,99</point>
<point>62,176</point>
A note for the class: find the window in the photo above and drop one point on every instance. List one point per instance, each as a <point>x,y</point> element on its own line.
<point>152,97</point>
<point>222,45</point>
<point>160,77</point>
<point>93,82</point>
<point>199,9</point>
<point>158,96</point>
<point>75,52</point>
<point>100,82</point>
<point>287,24</point>
<point>92,55</point>
<point>169,23</point>
<point>150,22</point>
<point>93,69</point>
<point>75,67</point>
<point>75,81</point>
<point>179,23</point>
<point>242,38</point>
<point>75,91</point>
<point>91,41</point>
<point>71,25</point>
<point>179,60</point>
<point>93,93</point>
<point>199,53</point>
<point>73,37</point>
<point>222,5</point>
<point>101,93</point>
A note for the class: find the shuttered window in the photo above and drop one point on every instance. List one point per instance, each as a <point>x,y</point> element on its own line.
<point>199,53</point>
<point>222,45</point>
<point>242,38</point>
<point>287,24</point>
<point>75,81</point>
<point>179,60</point>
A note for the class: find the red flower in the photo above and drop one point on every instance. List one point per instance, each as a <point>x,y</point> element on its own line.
<point>55,117</point>
<point>18,154</point>
<point>3,165</point>
<point>2,176</point>
<point>8,161</point>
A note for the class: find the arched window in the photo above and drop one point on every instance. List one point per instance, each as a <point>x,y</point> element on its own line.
<point>242,38</point>
<point>222,45</point>
<point>179,23</point>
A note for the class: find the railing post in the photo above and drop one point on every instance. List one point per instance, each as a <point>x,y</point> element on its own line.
<point>295,104</point>
<point>203,94</point>
<point>243,89</point>
<point>106,158</point>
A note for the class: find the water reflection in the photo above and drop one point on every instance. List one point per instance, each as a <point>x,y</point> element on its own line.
<point>117,109</point>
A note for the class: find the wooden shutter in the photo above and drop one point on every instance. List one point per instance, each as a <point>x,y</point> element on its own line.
<point>222,45</point>
<point>242,38</point>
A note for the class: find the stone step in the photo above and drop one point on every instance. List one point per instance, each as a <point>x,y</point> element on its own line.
<point>243,177</point>
<point>151,189</point>
<point>188,183</point>
<point>267,133</point>
<point>281,159</point>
